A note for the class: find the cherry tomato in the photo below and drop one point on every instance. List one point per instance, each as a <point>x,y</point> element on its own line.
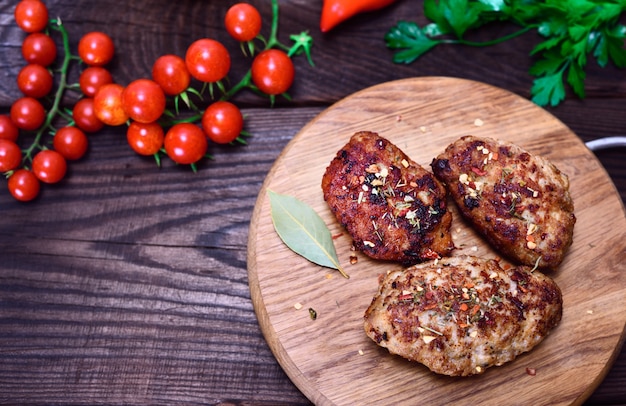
<point>49,166</point>
<point>207,60</point>
<point>23,185</point>
<point>8,130</point>
<point>185,143</point>
<point>92,78</point>
<point>31,15</point>
<point>39,48</point>
<point>107,105</point>
<point>34,81</point>
<point>143,100</point>
<point>272,71</point>
<point>10,155</point>
<point>171,73</point>
<point>145,138</point>
<point>243,22</point>
<point>96,48</point>
<point>71,142</point>
<point>85,116</point>
<point>222,122</point>
<point>27,113</point>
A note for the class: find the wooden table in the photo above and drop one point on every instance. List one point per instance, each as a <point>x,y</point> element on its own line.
<point>127,283</point>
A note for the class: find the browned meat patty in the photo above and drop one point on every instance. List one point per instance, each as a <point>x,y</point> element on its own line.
<point>392,207</point>
<point>518,201</point>
<point>461,315</point>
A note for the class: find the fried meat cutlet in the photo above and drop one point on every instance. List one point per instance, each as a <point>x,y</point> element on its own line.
<point>519,202</point>
<point>460,315</point>
<point>391,206</point>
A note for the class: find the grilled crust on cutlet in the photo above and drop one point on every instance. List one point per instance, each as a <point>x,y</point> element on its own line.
<point>392,207</point>
<point>519,202</point>
<point>461,315</point>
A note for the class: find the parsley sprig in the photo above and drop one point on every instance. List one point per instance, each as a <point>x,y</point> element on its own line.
<point>573,31</point>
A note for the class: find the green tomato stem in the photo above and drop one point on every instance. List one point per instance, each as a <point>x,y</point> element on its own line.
<point>58,96</point>
<point>272,41</point>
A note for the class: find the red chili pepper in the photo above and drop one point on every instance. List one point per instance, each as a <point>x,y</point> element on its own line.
<point>336,11</point>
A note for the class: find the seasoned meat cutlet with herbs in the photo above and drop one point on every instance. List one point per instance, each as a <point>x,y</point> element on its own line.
<point>461,315</point>
<point>518,201</point>
<point>392,207</point>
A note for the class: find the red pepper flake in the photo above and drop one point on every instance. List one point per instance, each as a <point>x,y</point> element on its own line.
<point>334,237</point>
<point>429,254</point>
<point>469,284</point>
<point>478,171</point>
<point>405,296</point>
<point>475,309</point>
<point>463,307</point>
<point>531,371</point>
<point>495,156</point>
<point>430,306</point>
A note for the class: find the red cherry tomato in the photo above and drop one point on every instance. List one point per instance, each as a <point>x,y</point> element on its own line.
<point>49,166</point>
<point>272,71</point>
<point>107,105</point>
<point>27,113</point>
<point>171,73</point>
<point>23,185</point>
<point>10,155</point>
<point>243,22</point>
<point>71,142</point>
<point>34,81</point>
<point>85,116</point>
<point>92,78</point>
<point>31,15</point>
<point>222,122</point>
<point>207,60</point>
<point>96,48</point>
<point>8,130</point>
<point>39,48</point>
<point>143,100</point>
<point>185,143</point>
<point>145,138</point>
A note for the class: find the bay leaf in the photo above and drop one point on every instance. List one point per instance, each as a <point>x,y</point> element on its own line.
<point>303,230</point>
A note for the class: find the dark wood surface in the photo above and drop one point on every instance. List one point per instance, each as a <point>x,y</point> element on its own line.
<point>127,283</point>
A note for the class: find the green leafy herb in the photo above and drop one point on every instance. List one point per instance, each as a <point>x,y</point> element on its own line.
<point>303,230</point>
<point>573,31</point>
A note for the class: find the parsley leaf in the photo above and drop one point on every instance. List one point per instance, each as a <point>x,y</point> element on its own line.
<point>548,89</point>
<point>411,39</point>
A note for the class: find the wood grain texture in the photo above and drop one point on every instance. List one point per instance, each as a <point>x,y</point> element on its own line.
<point>422,116</point>
<point>127,284</point>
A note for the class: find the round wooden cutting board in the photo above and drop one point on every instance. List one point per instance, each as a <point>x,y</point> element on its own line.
<point>331,360</point>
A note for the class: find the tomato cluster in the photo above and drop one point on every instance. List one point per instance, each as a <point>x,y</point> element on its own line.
<point>143,104</point>
<point>28,113</point>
